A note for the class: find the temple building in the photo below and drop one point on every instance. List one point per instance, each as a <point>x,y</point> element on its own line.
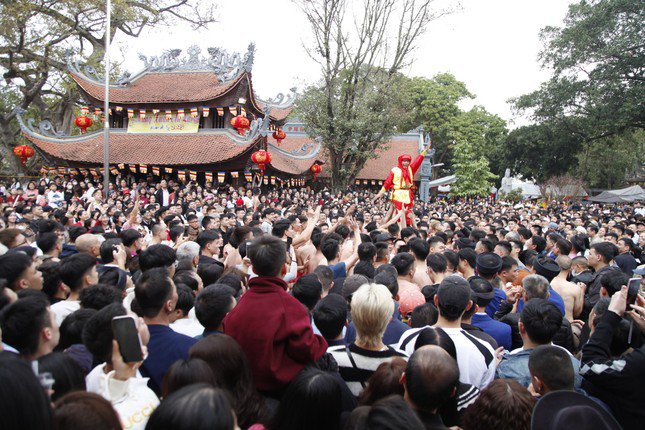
<point>196,118</point>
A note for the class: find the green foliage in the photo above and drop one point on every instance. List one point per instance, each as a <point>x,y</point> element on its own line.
<point>514,196</point>
<point>34,39</point>
<point>598,62</point>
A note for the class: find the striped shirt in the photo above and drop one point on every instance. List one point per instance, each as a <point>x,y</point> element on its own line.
<point>366,363</point>
<point>475,358</point>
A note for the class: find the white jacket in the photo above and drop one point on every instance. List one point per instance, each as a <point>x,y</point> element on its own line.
<point>132,399</point>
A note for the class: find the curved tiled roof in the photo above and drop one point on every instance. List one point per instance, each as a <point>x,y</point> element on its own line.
<point>293,162</point>
<point>160,149</point>
<point>161,87</point>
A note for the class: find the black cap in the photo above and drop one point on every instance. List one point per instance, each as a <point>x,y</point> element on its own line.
<point>454,291</point>
<point>560,410</point>
<point>464,242</point>
<point>383,237</point>
<point>546,267</point>
<point>488,264</point>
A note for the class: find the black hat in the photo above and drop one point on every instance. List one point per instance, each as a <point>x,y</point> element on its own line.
<point>464,242</point>
<point>560,410</point>
<point>454,291</point>
<point>546,267</point>
<point>488,263</point>
<point>383,237</point>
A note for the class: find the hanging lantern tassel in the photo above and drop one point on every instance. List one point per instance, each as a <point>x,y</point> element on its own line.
<point>168,115</point>
<point>316,169</point>
<point>205,111</point>
<point>97,111</point>
<point>193,112</point>
<point>85,110</point>
<point>279,135</point>
<point>130,112</point>
<point>142,114</point>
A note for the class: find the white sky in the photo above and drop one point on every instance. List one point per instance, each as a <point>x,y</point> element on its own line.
<point>491,45</point>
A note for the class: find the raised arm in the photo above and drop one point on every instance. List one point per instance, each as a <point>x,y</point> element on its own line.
<point>305,235</point>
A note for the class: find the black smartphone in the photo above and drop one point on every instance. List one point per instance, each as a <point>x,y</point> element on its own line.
<point>633,286</point>
<point>125,332</point>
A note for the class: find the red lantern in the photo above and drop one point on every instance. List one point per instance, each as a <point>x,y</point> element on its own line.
<point>23,152</point>
<point>316,169</point>
<point>279,135</point>
<point>241,124</point>
<point>83,123</point>
<point>261,158</point>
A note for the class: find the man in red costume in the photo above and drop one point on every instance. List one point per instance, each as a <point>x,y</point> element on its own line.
<point>400,181</point>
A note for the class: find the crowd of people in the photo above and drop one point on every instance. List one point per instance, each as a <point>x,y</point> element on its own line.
<point>300,308</point>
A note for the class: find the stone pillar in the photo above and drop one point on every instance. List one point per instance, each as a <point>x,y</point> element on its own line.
<point>426,175</point>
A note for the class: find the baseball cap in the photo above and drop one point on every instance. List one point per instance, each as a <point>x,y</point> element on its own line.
<point>454,291</point>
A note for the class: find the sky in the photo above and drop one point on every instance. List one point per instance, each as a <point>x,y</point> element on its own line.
<point>490,45</point>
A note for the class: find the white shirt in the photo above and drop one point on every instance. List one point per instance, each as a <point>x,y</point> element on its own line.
<point>475,358</point>
<point>188,326</point>
<point>63,308</point>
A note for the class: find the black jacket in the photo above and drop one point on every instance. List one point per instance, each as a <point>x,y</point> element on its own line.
<point>616,381</point>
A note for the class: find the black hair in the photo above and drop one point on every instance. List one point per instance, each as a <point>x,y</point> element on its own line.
<point>382,250</point>
<point>330,315</point>
<point>325,275</point>
<point>453,258</point>
<point>71,329</point>
<point>99,296</point>
<point>107,249</point>
<point>407,232</point>
<point>212,304</point>
<point>541,319</point>
<point>68,375</point>
<point>437,262</point>
<point>487,244</point>
<point>469,255</point>
<point>129,236</point>
<point>75,232</point>
<point>206,237</point>
<point>185,298</point>
<point>51,278</point>
<point>330,249</point>
<point>366,251</point>
<point>312,401</point>
<point>194,407</point>
<point>22,322</point>
<point>209,273</point>
<point>47,241</point>
<point>552,364</point>
<point>606,250</point>
<point>539,242</point>
<point>419,247</point>
<point>483,290</point>
<point>24,403</point>
<point>307,290</point>
<point>403,263</point>
<point>612,280</point>
<point>185,372</point>
<point>620,332</point>
<point>365,268</point>
<point>506,245</point>
<point>97,333</point>
<point>188,278</point>
<point>74,268</point>
<point>152,290</point>
<point>267,255</point>
<point>389,280</point>
<point>423,315</point>
<point>507,263</point>
<point>157,256</point>
<point>13,266</point>
<point>392,413</point>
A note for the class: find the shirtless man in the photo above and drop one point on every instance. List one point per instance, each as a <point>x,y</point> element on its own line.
<point>405,267</point>
<point>572,294</point>
<point>419,248</point>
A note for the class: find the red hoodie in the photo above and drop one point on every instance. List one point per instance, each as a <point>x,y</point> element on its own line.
<point>274,330</point>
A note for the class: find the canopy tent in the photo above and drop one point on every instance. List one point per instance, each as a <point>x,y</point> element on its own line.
<point>628,194</point>
<point>446,180</point>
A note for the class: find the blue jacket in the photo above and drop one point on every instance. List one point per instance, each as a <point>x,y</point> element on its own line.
<point>494,304</point>
<point>165,347</point>
<point>498,330</point>
<point>515,365</point>
<point>554,298</point>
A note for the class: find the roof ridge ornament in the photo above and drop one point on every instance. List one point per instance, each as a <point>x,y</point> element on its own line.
<point>281,101</point>
<point>45,127</point>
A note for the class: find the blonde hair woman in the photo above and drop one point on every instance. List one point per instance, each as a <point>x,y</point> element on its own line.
<point>372,309</point>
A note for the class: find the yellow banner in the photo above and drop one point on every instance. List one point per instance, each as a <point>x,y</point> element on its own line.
<point>159,124</point>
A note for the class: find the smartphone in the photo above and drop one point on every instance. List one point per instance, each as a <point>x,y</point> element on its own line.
<point>633,286</point>
<point>126,334</point>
